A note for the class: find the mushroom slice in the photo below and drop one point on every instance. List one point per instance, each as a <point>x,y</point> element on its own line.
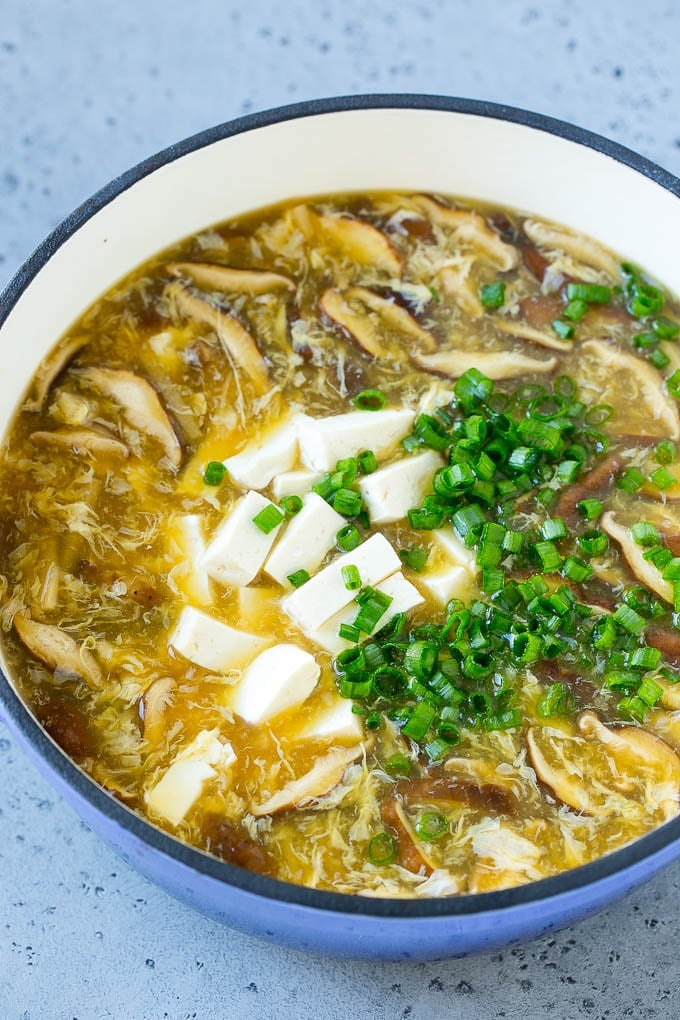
<point>224,278</point>
<point>360,327</point>
<point>413,854</point>
<point>456,282</point>
<point>153,706</point>
<point>471,227</point>
<point>140,403</point>
<point>494,364</point>
<point>394,316</point>
<point>357,240</point>
<point>326,774</point>
<point>535,336</point>
<point>633,553</point>
<point>238,344</point>
<point>632,747</point>
<point>52,367</point>
<point>57,649</point>
<point>567,788</point>
<point>650,383</point>
<point>97,441</point>
<point>579,247</point>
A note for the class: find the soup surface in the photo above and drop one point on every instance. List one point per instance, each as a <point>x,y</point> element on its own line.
<point>341,541</point>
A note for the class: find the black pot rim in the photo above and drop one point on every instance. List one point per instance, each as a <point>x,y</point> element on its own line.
<point>58,762</point>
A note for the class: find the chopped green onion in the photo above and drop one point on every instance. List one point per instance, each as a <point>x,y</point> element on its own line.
<point>349,633</point>
<point>558,700</point>
<point>598,414</point>
<point>387,682</point>
<point>629,620</point>
<point>298,578</point>
<point>367,462</point>
<point>549,555</point>
<point>431,825</point>
<point>575,310</point>
<point>431,432</point>
<point>513,542</point>
<point>666,328</point>
<point>663,478</point>
<point>645,300</point>
<point>649,691</point>
<point>645,341</point>
<point>449,733</point>
<point>214,472</point>
<point>370,400</point>
<point>576,570</point>
<point>472,388</point>
<point>421,659</point>
<point>324,487</point>
<point>268,518</point>
<point>419,721</point>
<point>511,720</point>
<point>673,383</point>
<point>382,849</point>
<point>527,648</point>
<point>645,659</point>
<point>347,502</point>
<point>348,538</point>
<point>542,435</point>
<point>590,509</point>
<point>592,293</point>
<point>659,556</point>
<point>553,528</point>
<point>492,295</point>
<point>291,505</point>
<point>563,329</point>
<point>593,542</point>
<point>414,558</point>
<point>633,708</point>
<point>645,533</point>
<point>398,765</point>
<point>631,480</point>
<point>567,471</point>
<point>422,519</point>
<point>672,569</point>
<point>665,452</point>
<point>659,359</point>
<point>372,608</point>
<point>351,577</point>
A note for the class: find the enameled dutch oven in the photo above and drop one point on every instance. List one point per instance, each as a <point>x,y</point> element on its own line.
<point>362,143</point>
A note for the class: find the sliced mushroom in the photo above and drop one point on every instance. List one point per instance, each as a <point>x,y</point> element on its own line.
<point>667,641</point>
<point>595,483</point>
<point>358,325</point>
<point>634,555</point>
<point>153,707</point>
<point>458,284</point>
<point>358,241</point>
<point>494,364</point>
<point>577,245</point>
<point>394,316</point>
<point>478,788</point>
<point>52,367</point>
<point>631,747</point>
<point>567,788</point>
<point>140,404</point>
<point>661,407</point>
<point>322,778</point>
<point>98,441</point>
<point>534,336</point>
<point>238,344</point>
<point>57,649</point>
<point>413,853</point>
<point>224,278</point>
<point>471,227</point>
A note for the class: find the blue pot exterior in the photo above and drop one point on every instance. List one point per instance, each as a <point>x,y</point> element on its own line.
<point>319,922</point>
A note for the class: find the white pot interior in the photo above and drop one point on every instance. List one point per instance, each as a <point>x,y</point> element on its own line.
<point>415,149</point>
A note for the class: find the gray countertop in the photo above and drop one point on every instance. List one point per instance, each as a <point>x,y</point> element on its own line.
<point>86,90</point>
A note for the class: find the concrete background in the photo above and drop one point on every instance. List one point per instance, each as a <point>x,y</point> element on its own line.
<point>87,89</point>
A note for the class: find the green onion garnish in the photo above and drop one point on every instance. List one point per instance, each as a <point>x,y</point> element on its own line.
<point>575,310</point>
<point>665,452</point>
<point>367,462</point>
<point>421,659</point>
<point>631,480</point>
<point>563,329</point>
<point>645,533</point>
<point>347,502</point>
<point>673,383</point>
<point>268,518</point>
<point>349,633</point>
<point>382,849</point>
<point>558,700</point>
<point>298,578</point>
<point>592,293</point>
<point>370,400</point>
<point>663,478</point>
<point>665,328</point>
<point>431,825</point>
<point>492,295</point>
<point>593,542</point>
<point>291,505</point>
<point>414,558</point>
<point>589,509</point>
<point>348,538</point>
<point>553,528</point>
<point>398,765</point>
<point>659,359</point>
<point>548,555</point>
<point>214,472</point>
<point>351,577</point>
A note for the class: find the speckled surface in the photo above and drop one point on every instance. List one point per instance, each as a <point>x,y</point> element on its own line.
<point>86,89</point>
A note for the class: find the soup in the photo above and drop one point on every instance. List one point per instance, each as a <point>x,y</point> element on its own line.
<point>341,541</point>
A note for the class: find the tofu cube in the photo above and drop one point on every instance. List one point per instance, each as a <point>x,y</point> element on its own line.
<point>187,545</point>
<point>254,467</point>
<point>449,583</point>
<point>212,644</point>
<point>451,548</point>
<point>239,548</point>
<point>404,595</point>
<point>294,483</point>
<point>338,722</point>
<point>277,679</point>
<point>392,491</point>
<point>310,535</point>
<point>325,441</point>
<point>325,594</point>
<point>177,791</point>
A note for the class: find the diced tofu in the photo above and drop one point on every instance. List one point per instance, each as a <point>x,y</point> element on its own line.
<point>454,550</point>
<point>325,594</point>
<point>181,786</point>
<point>277,679</point>
<point>187,545</point>
<point>394,490</point>
<point>325,441</point>
<point>309,536</point>
<point>338,722</point>
<point>239,548</point>
<point>404,595</point>
<point>449,583</point>
<point>294,483</point>
<point>254,604</point>
<point>212,644</point>
<point>254,467</point>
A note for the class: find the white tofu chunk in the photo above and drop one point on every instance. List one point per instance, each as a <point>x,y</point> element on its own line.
<point>177,791</point>
<point>454,550</point>
<point>187,545</point>
<point>449,583</point>
<point>309,536</point>
<point>212,644</point>
<point>404,595</point>
<point>254,603</point>
<point>254,467</point>
<point>325,441</point>
<point>239,548</point>
<point>277,679</point>
<point>338,722</point>
<point>325,594</point>
<point>392,491</point>
<point>294,483</point>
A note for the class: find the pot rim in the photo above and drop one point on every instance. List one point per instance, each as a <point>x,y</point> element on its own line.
<point>567,882</point>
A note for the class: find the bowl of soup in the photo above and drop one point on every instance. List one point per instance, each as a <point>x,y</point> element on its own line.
<point>340,516</point>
